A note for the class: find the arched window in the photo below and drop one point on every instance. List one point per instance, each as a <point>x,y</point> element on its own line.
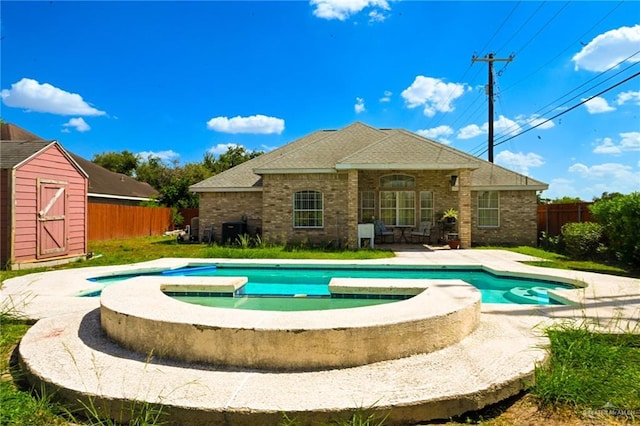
<point>308,209</point>
<point>397,203</point>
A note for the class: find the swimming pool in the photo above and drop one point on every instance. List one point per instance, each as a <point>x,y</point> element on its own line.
<point>299,283</point>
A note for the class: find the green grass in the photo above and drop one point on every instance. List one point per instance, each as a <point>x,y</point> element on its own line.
<point>591,372</point>
<point>586,371</point>
<point>559,261</point>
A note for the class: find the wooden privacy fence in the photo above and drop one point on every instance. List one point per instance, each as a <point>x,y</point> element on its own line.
<point>551,217</point>
<point>109,221</point>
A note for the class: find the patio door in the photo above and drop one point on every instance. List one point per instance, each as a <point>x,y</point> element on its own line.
<point>51,232</point>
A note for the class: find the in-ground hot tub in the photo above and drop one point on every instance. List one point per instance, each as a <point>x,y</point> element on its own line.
<point>138,315</point>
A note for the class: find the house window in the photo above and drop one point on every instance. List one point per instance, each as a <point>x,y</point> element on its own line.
<point>426,206</point>
<point>397,181</point>
<point>308,209</point>
<point>398,208</point>
<point>488,209</point>
<point>367,206</point>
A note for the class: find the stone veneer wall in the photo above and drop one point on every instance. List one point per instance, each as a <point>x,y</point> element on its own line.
<point>518,220</point>
<point>277,215</point>
<point>219,207</point>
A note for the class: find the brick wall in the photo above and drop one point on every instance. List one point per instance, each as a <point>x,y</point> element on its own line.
<point>518,220</point>
<point>277,217</point>
<point>219,207</point>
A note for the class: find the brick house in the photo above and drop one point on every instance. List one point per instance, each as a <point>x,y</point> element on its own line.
<point>318,188</point>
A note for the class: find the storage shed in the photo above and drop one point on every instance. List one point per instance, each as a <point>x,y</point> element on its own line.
<point>43,205</point>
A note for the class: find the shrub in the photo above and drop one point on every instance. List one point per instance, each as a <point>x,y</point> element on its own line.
<point>619,216</point>
<point>582,240</point>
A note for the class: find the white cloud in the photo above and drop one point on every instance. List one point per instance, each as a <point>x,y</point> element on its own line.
<point>439,133</point>
<point>624,97</point>
<point>518,161</point>
<point>433,94</point>
<point>359,106</point>
<point>629,141</point>
<point>33,96</point>
<point>470,131</point>
<point>166,155</point>
<point>343,9</point>
<point>503,125</point>
<point>598,105</point>
<point>609,48</point>
<point>607,177</point>
<point>386,97</point>
<point>78,123</point>
<point>376,16</point>
<point>221,148</point>
<point>561,187</point>
<point>535,120</point>
<point>260,124</point>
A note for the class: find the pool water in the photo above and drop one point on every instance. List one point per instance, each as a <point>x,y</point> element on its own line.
<point>275,287</point>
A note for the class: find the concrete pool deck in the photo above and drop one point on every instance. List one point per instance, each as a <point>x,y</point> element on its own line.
<point>69,351</point>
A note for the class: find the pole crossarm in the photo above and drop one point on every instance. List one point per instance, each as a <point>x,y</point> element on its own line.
<point>490,59</point>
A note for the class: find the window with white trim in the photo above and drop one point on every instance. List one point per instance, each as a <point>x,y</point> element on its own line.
<point>426,206</point>
<point>488,209</point>
<point>308,209</point>
<point>367,206</point>
<point>398,208</point>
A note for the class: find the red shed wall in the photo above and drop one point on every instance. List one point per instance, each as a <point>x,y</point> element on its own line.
<point>5,226</point>
<point>50,164</point>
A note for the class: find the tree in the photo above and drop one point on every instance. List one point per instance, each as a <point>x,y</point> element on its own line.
<point>234,156</point>
<point>123,162</point>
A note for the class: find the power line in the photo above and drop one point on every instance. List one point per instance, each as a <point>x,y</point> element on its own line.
<point>567,110</point>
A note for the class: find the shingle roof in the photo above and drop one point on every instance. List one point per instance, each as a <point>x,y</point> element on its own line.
<point>102,182</point>
<point>359,146</point>
<point>106,182</point>
<point>13,153</point>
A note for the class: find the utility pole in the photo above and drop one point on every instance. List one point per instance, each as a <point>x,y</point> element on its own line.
<point>490,59</point>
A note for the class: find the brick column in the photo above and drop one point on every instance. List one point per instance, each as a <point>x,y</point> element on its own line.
<point>464,208</point>
<point>352,209</point>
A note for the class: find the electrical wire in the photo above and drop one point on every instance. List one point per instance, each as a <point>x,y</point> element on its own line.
<point>565,111</point>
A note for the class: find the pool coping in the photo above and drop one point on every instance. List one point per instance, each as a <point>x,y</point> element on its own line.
<point>67,351</point>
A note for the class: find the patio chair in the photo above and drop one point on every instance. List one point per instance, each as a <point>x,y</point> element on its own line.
<point>422,233</point>
<point>381,231</point>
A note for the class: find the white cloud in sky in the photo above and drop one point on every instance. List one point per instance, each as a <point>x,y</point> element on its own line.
<point>433,94</point>
<point>502,125</point>
<point>166,155</point>
<point>386,97</point>
<point>535,120</point>
<point>519,161</point>
<point>629,141</point>
<point>561,187</point>
<point>376,16</point>
<point>33,96</point>
<point>221,148</point>
<point>259,124</point>
<point>343,9</point>
<point>609,48</point>
<point>470,131</point>
<point>439,133</point>
<point>631,96</point>
<point>359,106</point>
<point>601,178</point>
<point>77,123</point>
<point>598,105</point>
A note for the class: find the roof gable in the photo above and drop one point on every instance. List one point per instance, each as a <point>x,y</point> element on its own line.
<point>14,153</point>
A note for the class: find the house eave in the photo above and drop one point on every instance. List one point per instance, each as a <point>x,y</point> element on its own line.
<point>292,171</point>
<point>229,189</point>
<point>118,197</point>
<point>416,166</point>
<point>506,188</point>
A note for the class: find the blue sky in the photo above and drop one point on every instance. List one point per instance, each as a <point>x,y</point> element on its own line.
<point>178,79</point>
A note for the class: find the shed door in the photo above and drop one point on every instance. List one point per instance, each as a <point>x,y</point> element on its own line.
<point>52,221</point>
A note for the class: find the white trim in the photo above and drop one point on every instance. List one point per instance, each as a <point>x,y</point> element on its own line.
<point>259,171</point>
<point>506,188</point>
<point>392,166</point>
<point>230,189</point>
<point>119,197</point>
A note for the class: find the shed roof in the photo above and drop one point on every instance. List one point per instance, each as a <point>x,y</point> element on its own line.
<point>102,182</point>
<point>13,153</point>
<point>362,147</point>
